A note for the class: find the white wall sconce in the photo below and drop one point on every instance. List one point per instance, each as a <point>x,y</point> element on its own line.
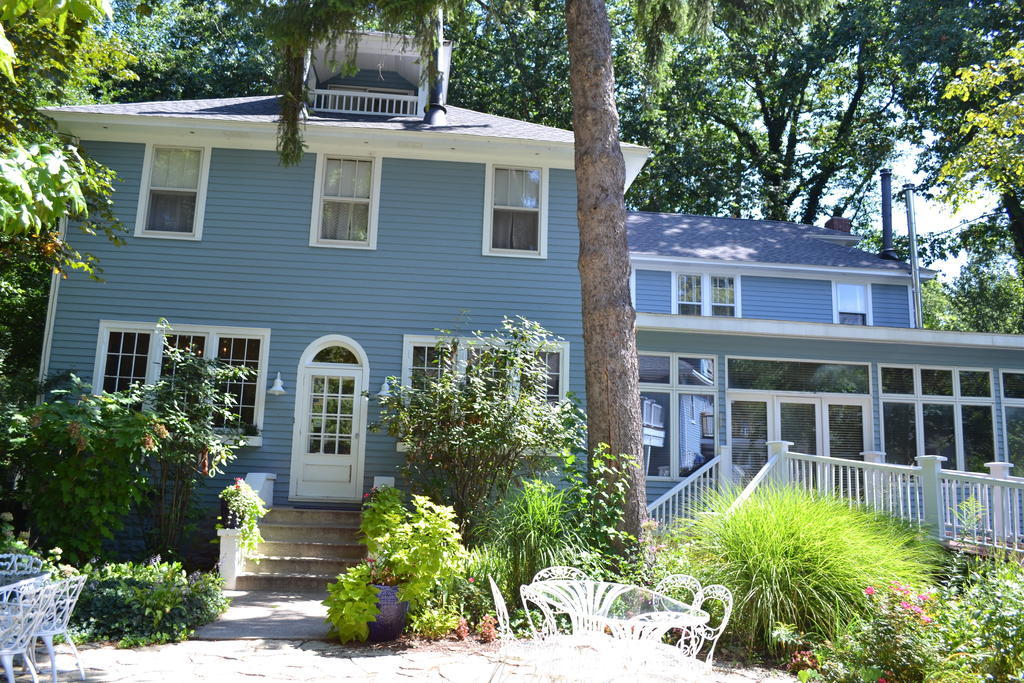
<point>278,387</point>
<point>385,389</point>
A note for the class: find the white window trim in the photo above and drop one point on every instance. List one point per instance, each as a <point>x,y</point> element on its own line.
<point>411,340</point>
<point>213,333</point>
<point>705,293</point>
<point>542,218</point>
<point>871,377</point>
<point>318,198</point>
<point>1008,403</point>
<point>919,398</point>
<point>868,303</point>
<point>142,212</point>
<point>675,390</point>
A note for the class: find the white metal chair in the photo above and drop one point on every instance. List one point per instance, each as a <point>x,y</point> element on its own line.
<point>501,612</point>
<point>560,573</point>
<point>681,587</point>
<point>708,633</point>
<point>549,627</point>
<point>11,563</point>
<point>22,608</point>
<point>55,623</point>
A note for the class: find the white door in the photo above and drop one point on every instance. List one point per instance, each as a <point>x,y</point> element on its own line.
<point>327,448</point>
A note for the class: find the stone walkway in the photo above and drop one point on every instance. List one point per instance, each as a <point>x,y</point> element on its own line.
<point>271,637</point>
<point>273,661</point>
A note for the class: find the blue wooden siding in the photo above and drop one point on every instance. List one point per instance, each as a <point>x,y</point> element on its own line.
<point>721,346</point>
<point>890,305</point>
<point>654,291</point>
<point>780,298</point>
<point>254,268</point>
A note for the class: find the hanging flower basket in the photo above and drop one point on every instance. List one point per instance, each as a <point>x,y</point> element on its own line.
<point>390,621</point>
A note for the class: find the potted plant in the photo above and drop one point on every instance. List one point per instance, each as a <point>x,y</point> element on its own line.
<point>410,551</point>
<point>391,611</point>
<point>242,508</point>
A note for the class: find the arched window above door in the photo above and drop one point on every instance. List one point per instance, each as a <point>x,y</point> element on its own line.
<point>336,354</point>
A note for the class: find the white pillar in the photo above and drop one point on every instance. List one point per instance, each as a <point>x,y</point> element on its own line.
<point>725,467</point>
<point>780,449</point>
<point>873,492</point>
<point>232,559</point>
<point>931,492</point>
<point>1001,513</point>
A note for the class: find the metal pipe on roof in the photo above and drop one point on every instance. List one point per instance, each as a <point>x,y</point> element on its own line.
<point>887,252</point>
<point>436,114</point>
<point>915,269</point>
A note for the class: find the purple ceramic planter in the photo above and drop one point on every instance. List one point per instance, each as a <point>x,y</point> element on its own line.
<point>391,621</point>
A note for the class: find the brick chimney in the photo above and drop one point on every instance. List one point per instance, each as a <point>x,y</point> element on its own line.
<point>839,223</point>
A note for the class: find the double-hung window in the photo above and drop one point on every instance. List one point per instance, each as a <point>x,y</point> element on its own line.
<point>344,214</point>
<point>851,304</point>
<point>938,411</point>
<point>421,363</point>
<point>516,220</point>
<point>133,353</point>
<point>174,192</point>
<point>708,295</point>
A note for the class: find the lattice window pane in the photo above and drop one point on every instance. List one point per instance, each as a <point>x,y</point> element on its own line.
<point>975,383</point>
<point>697,372</point>
<point>1013,384</point>
<point>193,343</point>
<point>127,360</point>
<point>939,432</point>
<point>936,383</point>
<point>553,361</point>
<point>517,187</point>
<point>749,436</point>
<point>345,221</point>
<point>332,402</point>
<point>513,229</point>
<point>845,431</point>
<point>424,367</point>
<point>175,168</point>
<point>657,433</point>
<point>655,369</point>
<point>350,178</point>
<point>690,295</point>
<point>241,351</point>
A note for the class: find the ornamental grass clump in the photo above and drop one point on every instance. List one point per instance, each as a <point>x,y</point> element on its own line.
<point>797,558</point>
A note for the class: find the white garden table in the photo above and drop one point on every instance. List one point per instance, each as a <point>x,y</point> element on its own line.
<point>622,611</point>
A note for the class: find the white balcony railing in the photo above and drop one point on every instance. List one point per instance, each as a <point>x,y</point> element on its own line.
<point>360,102</point>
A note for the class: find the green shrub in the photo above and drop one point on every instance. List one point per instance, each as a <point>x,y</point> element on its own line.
<point>981,619</point>
<point>434,622</point>
<point>416,549</point>
<point>792,557</point>
<point>139,604</point>
<point>530,530</point>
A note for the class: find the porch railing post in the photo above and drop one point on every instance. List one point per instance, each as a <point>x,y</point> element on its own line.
<point>725,467</point>
<point>931,492</point>
<point>999,470</point>
<point>871,476</point>
<point>780,475</point>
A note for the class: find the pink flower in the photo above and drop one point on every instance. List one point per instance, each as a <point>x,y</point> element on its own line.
<point>870,590</point>
<point>904,604</point>
<point>917,609</point>
<point>471,579</point>
<point>927,619</point>
<point>882,680</point>
<point>924,597</point>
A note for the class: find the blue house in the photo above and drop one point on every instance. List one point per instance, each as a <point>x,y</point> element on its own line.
<point>335,274</point>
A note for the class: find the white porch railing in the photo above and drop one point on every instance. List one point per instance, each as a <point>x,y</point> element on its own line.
<point>685,499</point>
<point>360,102</point>
<point>980,509</point>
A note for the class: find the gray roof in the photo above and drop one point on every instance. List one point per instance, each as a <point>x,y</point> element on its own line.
<point>745,241</point>
<point>371,78</point>
<point>264,109</point>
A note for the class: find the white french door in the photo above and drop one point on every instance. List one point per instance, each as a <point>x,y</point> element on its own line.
<point>330,421</point>
<point>836,426</point>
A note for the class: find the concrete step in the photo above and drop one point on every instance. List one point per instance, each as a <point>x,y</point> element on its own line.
<point>326,551</point>
<point>289,515</point>
<point>284,566</point>
<point>283,583</point>
<point>308,533</point>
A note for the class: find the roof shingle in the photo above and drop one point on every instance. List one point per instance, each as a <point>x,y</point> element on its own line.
<point>745,241</point>
<point>264,109</point>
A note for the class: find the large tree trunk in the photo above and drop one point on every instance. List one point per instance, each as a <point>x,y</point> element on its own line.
<point>613,406</point>
<point>1014,207</point>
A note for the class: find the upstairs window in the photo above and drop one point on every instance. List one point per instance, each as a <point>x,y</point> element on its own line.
<point>344,213</point>
<point>690,295</point>
<point>851,304</point>
<point>516,217</point>
<point>175,185</point>
<point>708,295</point>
